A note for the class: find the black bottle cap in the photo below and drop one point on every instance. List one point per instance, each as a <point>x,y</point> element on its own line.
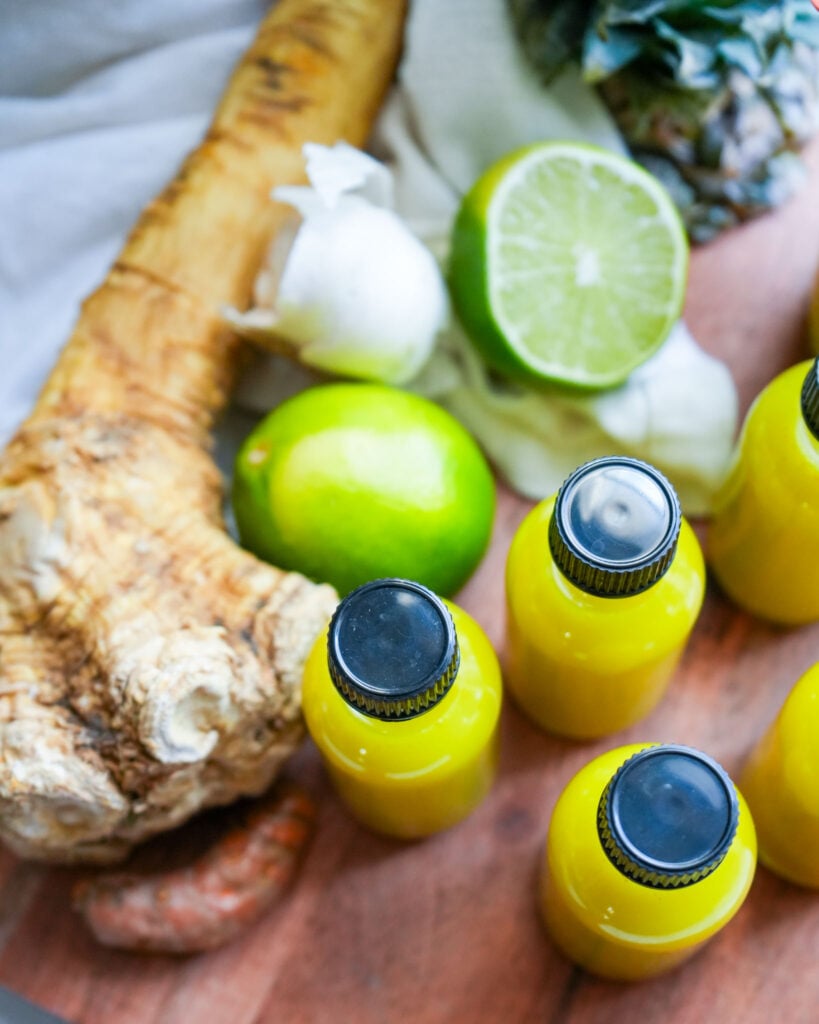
<point>392,650</point>
<point>668,816</point>
<point>810,399</point>
<point>615,526</point>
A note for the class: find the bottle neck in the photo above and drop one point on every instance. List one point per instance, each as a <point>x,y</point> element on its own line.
<point>614,528</point>
<point>809,399</point>
<point>807,440</point>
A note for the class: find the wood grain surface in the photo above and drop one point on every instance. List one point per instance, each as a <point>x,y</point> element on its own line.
<point>378,932</point>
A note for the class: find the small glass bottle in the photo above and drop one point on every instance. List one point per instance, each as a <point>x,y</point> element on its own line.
<point>763,544</point>
<point>650,851</point>
<point>603,586</point>
<point>781,783</point>
<point>402,697</point>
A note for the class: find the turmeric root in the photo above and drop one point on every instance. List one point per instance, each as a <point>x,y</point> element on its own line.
<point>148,667</point>
<point>205,904</point>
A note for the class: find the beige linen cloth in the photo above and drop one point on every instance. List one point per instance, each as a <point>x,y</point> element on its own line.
<point>465,97</point>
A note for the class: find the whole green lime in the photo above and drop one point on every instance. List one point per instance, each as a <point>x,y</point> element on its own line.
<point>351,482</point>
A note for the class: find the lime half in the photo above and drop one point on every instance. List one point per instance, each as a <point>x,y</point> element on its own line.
<point>568,264</point>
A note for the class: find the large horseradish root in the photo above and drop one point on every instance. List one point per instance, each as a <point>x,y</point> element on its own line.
<point>149,667</point>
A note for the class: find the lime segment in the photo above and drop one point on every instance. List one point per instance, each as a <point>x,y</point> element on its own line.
<point>568,264</point>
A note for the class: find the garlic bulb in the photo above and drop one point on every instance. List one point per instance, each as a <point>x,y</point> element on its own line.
<point>347,287</point>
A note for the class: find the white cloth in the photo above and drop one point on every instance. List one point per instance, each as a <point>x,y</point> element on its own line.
<point>99,102</point>
<point>465,98</point>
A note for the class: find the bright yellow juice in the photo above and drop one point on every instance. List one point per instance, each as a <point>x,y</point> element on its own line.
<point>614,925</point>
<point>416,776</point>
<point>781,783</point>
<point>763,545</point>
<point>581,665</point>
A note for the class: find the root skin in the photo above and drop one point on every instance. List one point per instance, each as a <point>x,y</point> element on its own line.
<point>206,903</point>
<point>148,667</point>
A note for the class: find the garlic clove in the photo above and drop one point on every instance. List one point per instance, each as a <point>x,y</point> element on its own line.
<point>349,289</point>
<point>361,295</point>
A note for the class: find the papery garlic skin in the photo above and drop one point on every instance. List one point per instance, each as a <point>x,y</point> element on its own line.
<point>356,293</point>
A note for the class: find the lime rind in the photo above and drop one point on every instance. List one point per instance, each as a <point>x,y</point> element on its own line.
<point>569,265</point>
<point>347,482</point>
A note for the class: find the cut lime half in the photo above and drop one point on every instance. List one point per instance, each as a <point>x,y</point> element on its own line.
<point>568,264</point>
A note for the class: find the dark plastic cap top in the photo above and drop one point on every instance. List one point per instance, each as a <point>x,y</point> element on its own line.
<point>668,816</point>
<point>392,650</point>
<point>810,399</point>
<point>615,526</point>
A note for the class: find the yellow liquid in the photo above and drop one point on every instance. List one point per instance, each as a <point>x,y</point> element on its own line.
<point>763,545</point>
<point>612,925</point>
<point>781,783</point>
<point>585,666</point>
<point>413,777</point>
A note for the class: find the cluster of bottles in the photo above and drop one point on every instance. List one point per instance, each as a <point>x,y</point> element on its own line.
<point>651,849</point>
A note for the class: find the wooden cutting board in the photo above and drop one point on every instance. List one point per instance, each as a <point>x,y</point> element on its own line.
<point>378,932</point>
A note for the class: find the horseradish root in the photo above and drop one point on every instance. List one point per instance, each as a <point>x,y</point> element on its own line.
<point>203,905</point>
<point>148,667</point>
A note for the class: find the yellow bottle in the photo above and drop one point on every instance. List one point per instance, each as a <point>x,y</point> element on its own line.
<point>781,783</point>
<point>650,851</point>
<point>763,545</point>
<point>603,586</point>
<point>402,697</point>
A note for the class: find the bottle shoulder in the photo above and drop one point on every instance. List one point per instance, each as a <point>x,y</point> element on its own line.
<point>796,728</point>
<point>448,733</point>
<point>536,589</point>
<point>775,442</point>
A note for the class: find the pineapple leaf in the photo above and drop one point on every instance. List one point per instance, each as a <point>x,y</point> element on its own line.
<point>712,95</point>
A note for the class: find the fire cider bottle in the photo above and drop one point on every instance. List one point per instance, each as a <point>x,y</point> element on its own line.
<point>603,586</point>
<point>763,545</point>
<point>651,850</point>
<point>402,697</point>
<point>781,782</point>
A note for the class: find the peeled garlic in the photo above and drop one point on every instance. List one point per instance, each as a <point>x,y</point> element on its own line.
<point>347,288</point>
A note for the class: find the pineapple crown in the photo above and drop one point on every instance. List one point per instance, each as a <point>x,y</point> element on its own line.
<point>712,96</point>
<point>693,43</point>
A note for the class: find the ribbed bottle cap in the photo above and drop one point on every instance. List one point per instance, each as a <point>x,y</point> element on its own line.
<point>810,399</point>
<point>668,816</point>
<point>615,526</point>
<point>392,650</point>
